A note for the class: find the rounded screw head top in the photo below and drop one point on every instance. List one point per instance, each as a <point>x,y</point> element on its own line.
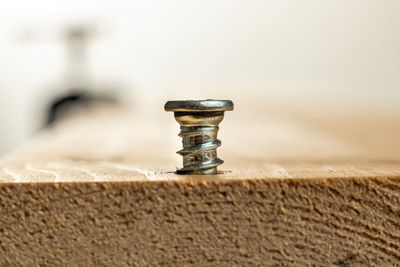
<point>199,120</point>
<point>199,105</point>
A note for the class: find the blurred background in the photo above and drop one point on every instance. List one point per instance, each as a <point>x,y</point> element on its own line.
<point>334,55</point>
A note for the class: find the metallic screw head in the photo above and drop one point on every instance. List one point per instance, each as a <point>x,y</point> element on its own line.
<point>199,120</point>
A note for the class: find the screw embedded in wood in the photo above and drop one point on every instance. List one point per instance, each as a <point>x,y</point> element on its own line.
<point>199,120</point>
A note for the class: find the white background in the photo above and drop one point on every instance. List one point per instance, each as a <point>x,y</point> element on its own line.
<point>346,51</point>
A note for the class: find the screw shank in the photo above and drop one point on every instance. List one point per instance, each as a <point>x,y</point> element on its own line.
<point>199,139</point>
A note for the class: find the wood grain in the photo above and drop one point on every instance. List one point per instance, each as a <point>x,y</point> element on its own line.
<point>295,190</point>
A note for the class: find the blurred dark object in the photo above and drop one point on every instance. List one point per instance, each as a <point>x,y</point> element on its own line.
<point>77,88</point>
<point>65,105</point>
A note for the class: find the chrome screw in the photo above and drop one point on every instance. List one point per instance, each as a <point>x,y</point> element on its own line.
<point>199,120</point>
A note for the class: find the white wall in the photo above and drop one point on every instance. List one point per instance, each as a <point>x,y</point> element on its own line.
<point>157,50</point>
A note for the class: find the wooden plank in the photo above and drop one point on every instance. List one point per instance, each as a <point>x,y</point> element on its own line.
<point>100,189</point>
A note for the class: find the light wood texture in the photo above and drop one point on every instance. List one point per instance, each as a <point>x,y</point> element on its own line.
<point>311,188</point>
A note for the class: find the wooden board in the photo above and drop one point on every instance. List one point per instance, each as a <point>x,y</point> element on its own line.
<point>314,189</point>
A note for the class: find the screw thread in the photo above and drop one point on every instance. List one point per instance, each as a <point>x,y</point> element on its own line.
<point>199,149</point>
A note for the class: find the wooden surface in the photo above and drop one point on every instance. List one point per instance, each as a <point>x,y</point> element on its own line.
<point>296,189</point>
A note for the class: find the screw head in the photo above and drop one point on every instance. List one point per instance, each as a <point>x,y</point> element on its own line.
<point>208,105</point>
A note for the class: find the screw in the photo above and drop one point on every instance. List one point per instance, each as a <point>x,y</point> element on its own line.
<point>199,120</point>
